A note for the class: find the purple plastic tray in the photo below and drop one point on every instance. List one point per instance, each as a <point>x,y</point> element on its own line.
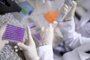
<point>14,33</point>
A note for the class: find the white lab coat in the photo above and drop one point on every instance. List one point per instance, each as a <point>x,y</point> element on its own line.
<point>78,54</point>
<point>84,3</point>
<point>75,41</point>
<point>83,26</point>
<point>72,38</point>
<point>83,9</point>
<point>45,52</point>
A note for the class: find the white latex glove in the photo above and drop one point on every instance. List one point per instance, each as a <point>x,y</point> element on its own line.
<point>47,35</point>
<point>29,49</point>
<point>70,15</point>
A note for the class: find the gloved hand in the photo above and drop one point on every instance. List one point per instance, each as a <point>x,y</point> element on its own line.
<point>47,35</point>
<point>29,48</point>
<point>70,15</point>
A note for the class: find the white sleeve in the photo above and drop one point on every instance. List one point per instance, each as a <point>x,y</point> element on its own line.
<point>72,38</point>
<point>45,52</point>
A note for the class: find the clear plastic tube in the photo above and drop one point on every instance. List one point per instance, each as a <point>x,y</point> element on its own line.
<point>63,15</point>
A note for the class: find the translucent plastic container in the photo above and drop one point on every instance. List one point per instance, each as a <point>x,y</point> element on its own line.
<point>35,31</point>
<point>50,9</point>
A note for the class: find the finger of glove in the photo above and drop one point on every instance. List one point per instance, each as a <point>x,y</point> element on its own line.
<point>30,38</point>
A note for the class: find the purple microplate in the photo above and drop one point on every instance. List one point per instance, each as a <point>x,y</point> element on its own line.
<point>38,36</point>
<point>14,33</point>
<point>35,31</point>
